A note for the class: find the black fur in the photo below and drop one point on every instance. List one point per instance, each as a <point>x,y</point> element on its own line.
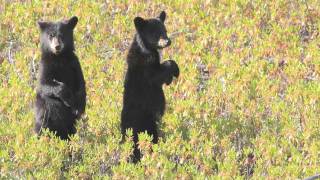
<point>144,100</point>
<point>61,95</point>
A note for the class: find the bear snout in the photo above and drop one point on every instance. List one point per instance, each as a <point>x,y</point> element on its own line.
<point>56,45</point>
<point>164,42</point>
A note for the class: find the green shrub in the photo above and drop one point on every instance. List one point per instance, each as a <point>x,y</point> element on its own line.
<point>246,105</point>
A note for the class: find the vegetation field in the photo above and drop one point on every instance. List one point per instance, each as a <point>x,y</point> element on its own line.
<point>247,103</point>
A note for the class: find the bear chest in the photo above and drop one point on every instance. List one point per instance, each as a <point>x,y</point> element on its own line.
<point>66,73</point>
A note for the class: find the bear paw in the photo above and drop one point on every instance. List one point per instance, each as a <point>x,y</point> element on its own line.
<point>173,67</point>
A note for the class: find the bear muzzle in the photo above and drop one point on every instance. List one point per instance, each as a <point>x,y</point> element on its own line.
<point>164,42</point>
<point>56,46</point>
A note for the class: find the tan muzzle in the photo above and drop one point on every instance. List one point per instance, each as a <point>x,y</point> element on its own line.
<point>164,42</point>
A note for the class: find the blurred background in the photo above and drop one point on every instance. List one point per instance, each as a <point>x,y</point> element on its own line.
<point>247,103</point>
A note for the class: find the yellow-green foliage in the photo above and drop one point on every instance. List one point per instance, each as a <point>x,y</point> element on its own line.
<point>248,98</point>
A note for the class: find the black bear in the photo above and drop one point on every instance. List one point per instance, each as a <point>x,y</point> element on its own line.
<point>61,94</point>
<point>143,100</point>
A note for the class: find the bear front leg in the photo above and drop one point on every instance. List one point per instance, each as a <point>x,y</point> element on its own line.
<point>66,96</point>
<point>172,68</point>
<point>57,90</point>
<point>80,102</point>
<point>164,74</point>
<point>80,95</point>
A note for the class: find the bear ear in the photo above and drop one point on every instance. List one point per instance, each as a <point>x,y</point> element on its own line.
<point>162,16</point>
<point>72,22</point>
<point>43,25</point>
<point>139,22</point>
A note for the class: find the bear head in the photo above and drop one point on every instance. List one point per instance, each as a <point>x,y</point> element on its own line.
<point>152,32</point>
<point>57,37</point>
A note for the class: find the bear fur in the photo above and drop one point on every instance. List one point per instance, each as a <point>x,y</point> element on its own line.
<point>144,100</point>
<point>61,94</point>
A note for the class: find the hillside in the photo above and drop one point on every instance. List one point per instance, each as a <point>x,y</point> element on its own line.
<point>247,103</point>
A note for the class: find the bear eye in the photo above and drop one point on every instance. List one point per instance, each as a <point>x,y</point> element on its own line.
<point>51,35</point>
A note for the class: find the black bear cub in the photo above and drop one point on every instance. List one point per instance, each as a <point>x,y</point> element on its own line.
<point>61,95</point>
<point>143,100</point>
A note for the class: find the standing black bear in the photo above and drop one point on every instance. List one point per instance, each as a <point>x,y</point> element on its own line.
<point>61,95</point>
<point>144,101</point>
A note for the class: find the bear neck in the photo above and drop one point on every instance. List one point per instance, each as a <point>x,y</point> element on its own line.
<point>141,45</point>
<point>62,55</point>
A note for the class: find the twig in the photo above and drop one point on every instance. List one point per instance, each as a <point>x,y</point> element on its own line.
<point>10,58</point>
<point>177,33</point>
<point>313,177</point>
